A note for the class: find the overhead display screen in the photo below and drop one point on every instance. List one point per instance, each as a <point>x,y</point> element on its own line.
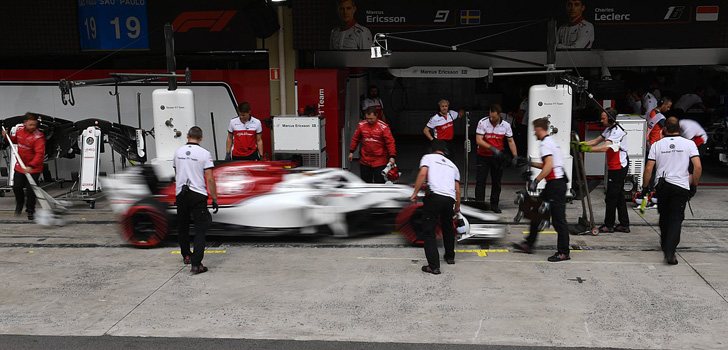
<point>113,25</point>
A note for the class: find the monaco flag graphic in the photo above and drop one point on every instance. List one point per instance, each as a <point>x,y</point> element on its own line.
<point>706,13</point>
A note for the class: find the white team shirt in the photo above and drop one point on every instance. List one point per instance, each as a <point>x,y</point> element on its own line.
<point>672,157</point>
<point>444,126</point>
<point>649,102</point>
<point>618,137</point>
<point>494,135</point>
<point>441,174</point>
<point>357,37</point>
<point>372,102</point>
<point>549,148</point>
<point>244,135</point>
<point>190,163</point>
<point>575,36</point>
<point>253,124</point>
<point>687,101</point>
<point>524,108</point>
<point>691,129</point>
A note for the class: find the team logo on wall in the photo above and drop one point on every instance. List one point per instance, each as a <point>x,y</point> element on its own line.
<point>441,16</point>
<point>674,13</point>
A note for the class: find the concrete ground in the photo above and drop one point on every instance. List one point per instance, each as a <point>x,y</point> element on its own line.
<point>82,283</point>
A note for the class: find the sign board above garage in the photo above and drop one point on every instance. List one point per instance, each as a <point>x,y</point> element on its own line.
<point>512,25</point>
<point>438,72</point>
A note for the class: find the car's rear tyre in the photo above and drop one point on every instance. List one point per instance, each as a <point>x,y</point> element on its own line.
<point>145,224</point>
<point>409,224</point>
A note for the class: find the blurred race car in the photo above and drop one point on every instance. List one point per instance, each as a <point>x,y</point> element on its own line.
<point>269,198</point>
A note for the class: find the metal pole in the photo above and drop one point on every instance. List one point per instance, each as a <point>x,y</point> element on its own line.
<point>139,109</point>
<point>508,74</point>
<point>467,154</point>
<point>214,135</point>
<point>118,118</point>
<point>282,63</point>
<point>551,51</point>
<point>113,159</point>
<point>169,48</point>
<point>295,97</point>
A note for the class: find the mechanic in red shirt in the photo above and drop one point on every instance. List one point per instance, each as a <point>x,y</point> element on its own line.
<point>30,143</point>
<point>377,147</point>
<point>244,141</point>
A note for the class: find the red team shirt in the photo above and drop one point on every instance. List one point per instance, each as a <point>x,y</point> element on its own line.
<point>443,125</point>
<point>655,121</point>
<point>244,136</point>
<point>494,135</point>
<point>377,143</point>
<point>616,160</point>
<point>31,149</point>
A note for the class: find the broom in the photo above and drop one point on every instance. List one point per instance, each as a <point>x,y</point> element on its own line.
<point>50,207</point>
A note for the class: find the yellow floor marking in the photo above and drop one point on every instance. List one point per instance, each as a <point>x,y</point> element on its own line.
<point>481,252</point>
<point>548,232</point>
<point>207,251</point>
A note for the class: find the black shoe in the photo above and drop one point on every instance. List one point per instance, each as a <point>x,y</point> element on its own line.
<point>559,257</point>
<point>186,259</point>
<point>427,269</point>
<point>31,216</point>
<point>450,261</point>
<point>496,209</point>
<point>605,229</point>
<point>198,269</point>
<point>621,228</point>
<point>523,248</point>
<point>18,212</point>
<point>671,260</point>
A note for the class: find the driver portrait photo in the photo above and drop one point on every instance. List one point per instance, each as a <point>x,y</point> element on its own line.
<point>349,35</point>
<point>578,33</point>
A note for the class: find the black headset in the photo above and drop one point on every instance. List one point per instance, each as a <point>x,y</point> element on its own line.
<point>611,116</point>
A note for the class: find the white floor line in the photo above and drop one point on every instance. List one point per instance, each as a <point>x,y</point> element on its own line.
<point>489,260</point>
<point>477,333</point>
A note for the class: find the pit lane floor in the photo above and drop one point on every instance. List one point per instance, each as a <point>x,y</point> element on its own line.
<point>82,283</point>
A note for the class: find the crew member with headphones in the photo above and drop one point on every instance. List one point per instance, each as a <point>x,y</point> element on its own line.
<point>656,120</point>
<point>612,141</point>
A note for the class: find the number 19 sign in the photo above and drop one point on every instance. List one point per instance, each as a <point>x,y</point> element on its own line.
<point>113,24</point>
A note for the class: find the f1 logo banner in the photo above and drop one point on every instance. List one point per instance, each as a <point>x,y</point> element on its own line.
<point>219,25</point>
<point>674,13</point>
<point>213,21</point>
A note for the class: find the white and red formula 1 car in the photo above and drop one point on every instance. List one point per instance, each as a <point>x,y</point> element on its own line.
<point>271,198</point>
